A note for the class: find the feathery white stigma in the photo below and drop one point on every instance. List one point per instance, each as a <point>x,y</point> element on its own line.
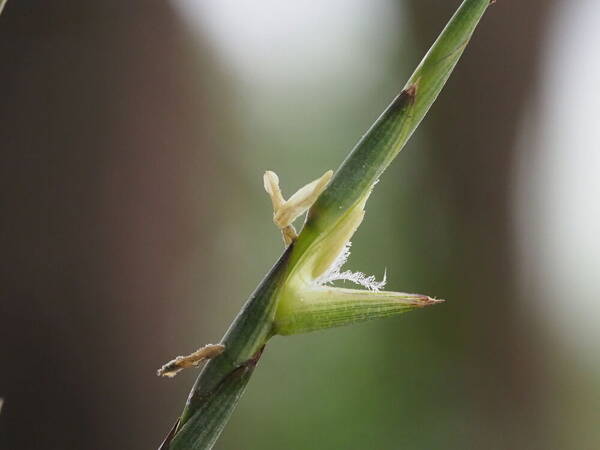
<point>335,274</point>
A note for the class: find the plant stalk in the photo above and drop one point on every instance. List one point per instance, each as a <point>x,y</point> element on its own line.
<point>222,381</point>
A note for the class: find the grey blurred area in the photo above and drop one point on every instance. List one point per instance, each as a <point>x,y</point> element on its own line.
<point>106,142</point>
<point>134,136</point>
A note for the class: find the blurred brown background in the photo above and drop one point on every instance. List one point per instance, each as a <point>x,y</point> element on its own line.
<point>134,136</point>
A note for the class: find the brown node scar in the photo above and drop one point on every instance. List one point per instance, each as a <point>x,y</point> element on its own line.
<point>411,91</point>
<point>176,365</point>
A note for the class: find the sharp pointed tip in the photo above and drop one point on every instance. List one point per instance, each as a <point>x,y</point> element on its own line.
<point>425,300</point>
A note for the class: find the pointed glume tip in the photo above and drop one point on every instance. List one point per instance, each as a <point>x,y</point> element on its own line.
<point>428,301</point>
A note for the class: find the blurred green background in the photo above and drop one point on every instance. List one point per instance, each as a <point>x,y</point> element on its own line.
<point>134,136</point>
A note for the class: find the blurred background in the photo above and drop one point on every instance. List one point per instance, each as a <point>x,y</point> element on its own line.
<point>134,136</point>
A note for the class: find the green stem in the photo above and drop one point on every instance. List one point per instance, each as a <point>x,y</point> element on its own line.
<point>223,380</point>
<point>388,135</point>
